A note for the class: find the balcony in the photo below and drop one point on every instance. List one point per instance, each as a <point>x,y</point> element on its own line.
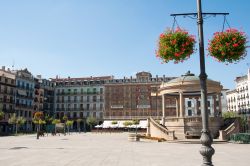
<point>24,106</point>
<point>5,110</point>
<point>7,92</point>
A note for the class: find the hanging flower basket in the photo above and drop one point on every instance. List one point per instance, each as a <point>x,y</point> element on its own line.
<point>229,46</point>
<point>175,46</point>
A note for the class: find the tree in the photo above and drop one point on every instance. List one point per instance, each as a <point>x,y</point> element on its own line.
<point>65,119</point>
<point>79,124</point>
<point>229,114</point>
<point>48,119</point>
<point>38,120</point>
<point>56,121</point>
<point>1,115</point>
<point>91,121</point>
<point>69,123</point>
<point>17,121</point>
<point>114,122</point>
<point>136,122</point>
<point>20,121</point>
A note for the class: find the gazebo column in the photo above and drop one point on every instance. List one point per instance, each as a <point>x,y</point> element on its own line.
<point>181,104</point>
<point>219,99</point>
<point>215,106</point>
<point>177,107</point>
<point>196,107</point>
<point>163,109</point>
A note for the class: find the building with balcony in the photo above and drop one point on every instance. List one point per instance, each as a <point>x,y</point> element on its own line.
<point>7,97</point>
<point>44,96</point>
<point>238,99</point>
<point>79,97</point>
<point>24,100</point>
<point>135,97</point>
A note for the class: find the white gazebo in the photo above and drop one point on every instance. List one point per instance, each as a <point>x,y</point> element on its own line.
<point>187,93</point>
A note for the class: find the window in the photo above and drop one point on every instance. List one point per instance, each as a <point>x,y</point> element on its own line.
<point>189,103</point>
<point>94,98</point>
<point>94,90</point>
<point>87,106</point>
<point>94,106</point>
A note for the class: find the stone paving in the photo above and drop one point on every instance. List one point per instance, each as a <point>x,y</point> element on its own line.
<point>94,149</point>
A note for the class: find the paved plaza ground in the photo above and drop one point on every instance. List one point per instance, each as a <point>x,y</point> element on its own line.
<point>94,149</point>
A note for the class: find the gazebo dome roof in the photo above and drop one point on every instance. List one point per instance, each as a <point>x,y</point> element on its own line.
<point>187,77</point>
<point>189,83</point>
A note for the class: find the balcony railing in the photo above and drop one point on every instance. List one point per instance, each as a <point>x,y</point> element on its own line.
<point>23,106</point>
<point>79,101</point>
<point>79,93</point>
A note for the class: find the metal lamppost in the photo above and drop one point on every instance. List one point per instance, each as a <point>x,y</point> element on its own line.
<point>206,150</point>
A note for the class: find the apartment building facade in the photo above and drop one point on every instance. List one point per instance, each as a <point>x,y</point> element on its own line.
<point>238,99</point>
<point>131,98</point>
<point>24,100</point>
<point>44,96</point>
<point>79,97</point>
<point>7,97</point>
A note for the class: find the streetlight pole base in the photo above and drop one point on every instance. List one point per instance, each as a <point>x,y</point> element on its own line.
<point>207,151</point>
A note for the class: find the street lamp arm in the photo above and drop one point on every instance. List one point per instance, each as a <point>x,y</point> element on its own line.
<point>195,14</point>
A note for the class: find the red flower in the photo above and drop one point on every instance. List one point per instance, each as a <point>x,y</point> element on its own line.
<point>235,45</point>
<point>229,46</point>
<point>175,45</point>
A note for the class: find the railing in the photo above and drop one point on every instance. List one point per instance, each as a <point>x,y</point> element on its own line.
<point>7,92</point>
<point>77,101</point>
<point>24,106</point>
<point>79,93</point>
<point>8,110</point>
<point>129,117</point>
<point>170,135</point>
<point>9,101</point>
<point>230,130</point>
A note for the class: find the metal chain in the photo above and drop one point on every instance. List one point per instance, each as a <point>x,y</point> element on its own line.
<point>225,21</point>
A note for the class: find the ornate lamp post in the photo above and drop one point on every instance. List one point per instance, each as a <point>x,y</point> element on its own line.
<point>206,140</point>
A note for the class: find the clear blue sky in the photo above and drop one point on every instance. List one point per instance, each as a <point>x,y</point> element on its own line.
<point>81,38</point>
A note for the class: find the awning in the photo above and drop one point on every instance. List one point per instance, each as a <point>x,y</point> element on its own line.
<point>21,92</point>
